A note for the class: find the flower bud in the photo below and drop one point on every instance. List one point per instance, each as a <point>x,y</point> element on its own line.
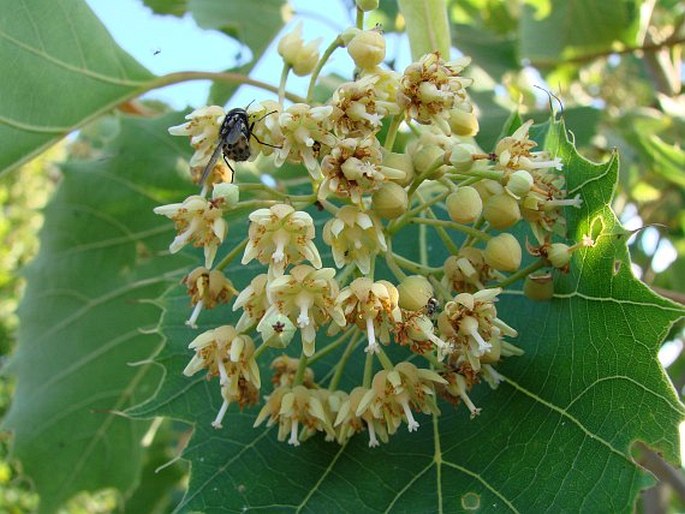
<point>366,5</point>
<point>488,188</point>
<point>390,201</point>
<point>277,330</point>
<point>400,161</point>
<point>367,49</point>
<point>302,58</point>
<point>462,157</point>
<point>229,193</point>
<point>539,287</point>
<point>426,157</point>
<point>414,291</point>
<point>501,211</point>
<point>463,123</point>
<point>559,255</point>
<point>503,252</point>
<point>519,183</point>
<point>464,205</point>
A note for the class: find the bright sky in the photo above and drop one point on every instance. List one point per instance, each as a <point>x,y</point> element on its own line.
<point>166,44</point>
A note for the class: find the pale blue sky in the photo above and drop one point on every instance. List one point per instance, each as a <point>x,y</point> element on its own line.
<point>166,44</point>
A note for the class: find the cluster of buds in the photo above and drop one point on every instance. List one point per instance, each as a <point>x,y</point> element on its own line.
<point>318,246</point>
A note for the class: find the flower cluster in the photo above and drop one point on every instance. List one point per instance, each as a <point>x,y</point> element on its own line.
<point>340,266</point>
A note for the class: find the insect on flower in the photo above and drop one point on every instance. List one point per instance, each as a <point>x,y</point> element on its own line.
<point>234,140</point>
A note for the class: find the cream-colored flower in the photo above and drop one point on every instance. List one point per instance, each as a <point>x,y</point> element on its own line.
<point>354,236</point>
<point>514,152</point>
<point>253,301</point>
<point>358,111</point>
<point>307,296</point>
<point>266,132</point>
<point>348,422</point>
<point>284,371</point>
<point>280,236</point>
<point>225,353</point>
<point>300,56</point>
<point>432,87</point>
<point>306,135</point>
<point>203,128</point>
<point>373,307</point>
<point>354,168</point>
<point>207,289</point>
<point>469,323</point>
<point>199,221</point>
<point>294,408</point>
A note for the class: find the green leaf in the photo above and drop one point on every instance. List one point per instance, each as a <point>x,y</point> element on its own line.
<point>427,26</point>
<point>554,30</point>
<point>61,69</point>
<point>495,53</point>
<point>174,7</point>
<point>669,160</point>
<point>555,436</point>
<point>86,316</point>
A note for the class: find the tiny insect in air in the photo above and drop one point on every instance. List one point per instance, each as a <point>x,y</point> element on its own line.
<point>234,140</point>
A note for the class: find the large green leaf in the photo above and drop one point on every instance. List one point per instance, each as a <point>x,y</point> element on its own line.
<point>427,26</point>
<point>551,30</point>
<point>82,315</point>
<point>555,436</point>
<point>60,68</point>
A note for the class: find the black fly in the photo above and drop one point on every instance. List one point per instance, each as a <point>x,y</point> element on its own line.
<point>234,140</point>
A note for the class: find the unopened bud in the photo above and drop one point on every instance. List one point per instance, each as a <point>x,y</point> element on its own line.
<point>463,123</point>
<point>426,158</point>
<point>367,49</point>
<point>519,183</point>
<point>559,255</point>
<point>462,157</point>
<point>229,193</point>
<point>539,287</point>
<point>501,211</point>
<point>414,291</point>
<point>464,205</point>
<point>400,161</point>
<point>503,252</point>
<point>390,201</point>
<point>302,58</point>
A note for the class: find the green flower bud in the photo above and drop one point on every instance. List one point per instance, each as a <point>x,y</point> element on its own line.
<point>519,183</point>
<point>503,252</point>
<point>277,331</point>
<point>426,157</point>
<point>390,201</point>
<point>539,288</point>
<point>349,34</point>
<point>487,188</point>
<point>464,205</point>
<point>290,44</point>
<point>463,123</point>
<point>367,49</point>
<point>229,193</point>
<point>559,255</point>
<point>462,157</point>
<point>302,58</point>
<point>367,5</point>
<point>400,161</point>
<point>414,291</point>
<point>501,211</point>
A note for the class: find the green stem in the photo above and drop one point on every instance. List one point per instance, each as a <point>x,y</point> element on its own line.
<point>406,217</point>
<point>442,291</point>
<point>394,267</point>
<point>423,243</point>
<point>442,233</point>
<point>337,43</point>
<point>415,267</point>
<point>423,176</point>
<point>330,347</point>
<point>340,366</point>
<point>473,232</point>
<point>392,132</point>
<point>492,175</point>
<point>345,273</point>
<point>522,273</point>
<point>301,368</point>
<point>281,84</point>
<point>259,351</point>
<point>360,19</point>
<point>385,360</point>
<point>232,78</point>
<point>232,255</point>
<point>368,370</point>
